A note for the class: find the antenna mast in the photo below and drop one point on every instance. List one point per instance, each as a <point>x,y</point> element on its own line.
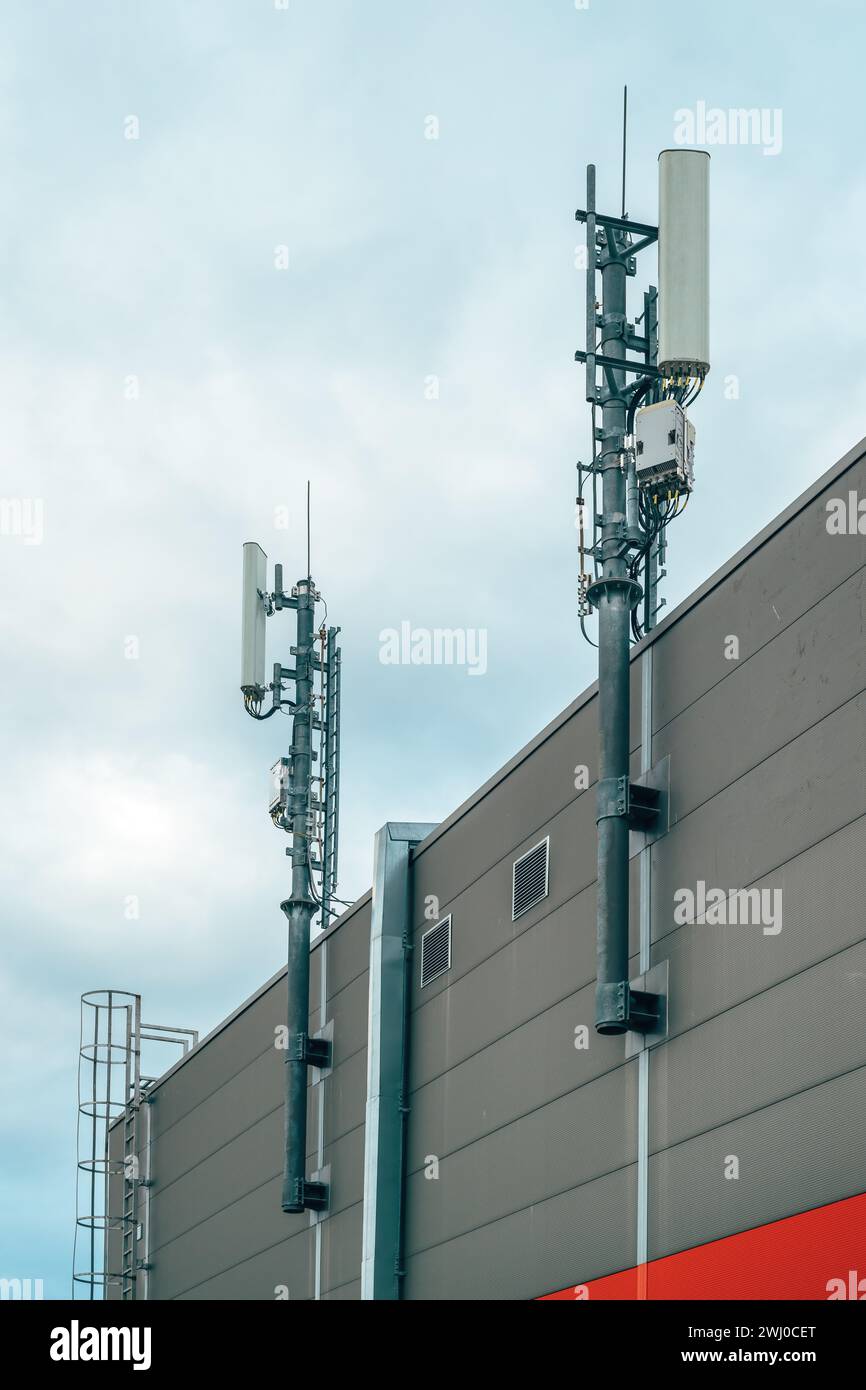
<point>642,474</point>
<point>305,804</point>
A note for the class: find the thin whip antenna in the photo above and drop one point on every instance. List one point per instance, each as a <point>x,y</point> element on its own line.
<point>308,528</point>
<point>624,134</point>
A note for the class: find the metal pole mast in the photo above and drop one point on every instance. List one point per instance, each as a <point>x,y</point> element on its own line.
<point>612,246</point>
<point>299,909</point>
<point>306,815</point>
<point>614,596</point>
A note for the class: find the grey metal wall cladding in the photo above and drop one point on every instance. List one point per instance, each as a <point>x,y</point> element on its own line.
<point>580,1234</point>
<point>568,1142</point>
<point>209,1068</point>
<point>216,1227</point>
<point>221,1211</point>
<point>503,971</point>
<point>823,892</point>
<point>284,1267</point>
<point>802,1152</point>
<point>527,974</point>
<point>535,1138</point>
<point>811,788</point>
<point>810,670</point>
<point>346,1293</point>
<point>345,1096</point>
<point>800,1033</point>
<point>341,1245</point>
<point>218,1119</point>
<point>350,1004</point>
<point>348,952</point>
<point>484,898</point>
<point>346,1157</point>
<point>189,1195</point>
<point>511,1076</point>
<point>795,568</point>
<point>227,1239</point>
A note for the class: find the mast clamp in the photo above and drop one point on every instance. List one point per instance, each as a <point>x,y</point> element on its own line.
<point>620,1008</point>
<point>316,1052</point>
<point>619,798</point>
<point>307,1196</point>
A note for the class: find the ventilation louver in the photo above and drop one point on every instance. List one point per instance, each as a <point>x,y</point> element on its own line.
<point>436,951</point>
<point>529,883</point>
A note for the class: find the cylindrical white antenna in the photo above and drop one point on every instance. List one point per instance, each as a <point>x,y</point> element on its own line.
<point>253,620</point>
<point>684,263</point>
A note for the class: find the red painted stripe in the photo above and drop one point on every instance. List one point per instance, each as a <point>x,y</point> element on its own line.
<point>816,1255</point>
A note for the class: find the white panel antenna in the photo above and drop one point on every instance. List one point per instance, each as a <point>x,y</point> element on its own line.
<point>253,620</point>
<point>684,264</point>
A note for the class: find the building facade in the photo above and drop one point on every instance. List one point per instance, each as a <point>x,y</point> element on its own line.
<point>533,1157</point>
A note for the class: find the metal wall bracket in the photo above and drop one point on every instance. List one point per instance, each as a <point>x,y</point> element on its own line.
<point>323,1035</point>
<point>309,1196</point>
<point>316,1052</point>
<point>653,787</point>
<point>320,1181</point>
<point>650,992</point>
<point>640,803</point>
<point>644,806</point>
<point>644,1010</point>
<point>637,1007</point>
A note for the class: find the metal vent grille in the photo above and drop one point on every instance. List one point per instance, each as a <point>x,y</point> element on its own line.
<point>529,882</point>
<point>436,951</point>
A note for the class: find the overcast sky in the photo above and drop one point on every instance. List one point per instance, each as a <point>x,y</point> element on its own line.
<point>166,389</point>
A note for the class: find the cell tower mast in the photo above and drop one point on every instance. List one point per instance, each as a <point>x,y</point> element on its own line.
<point>303,803</point>
<point>642,465</point>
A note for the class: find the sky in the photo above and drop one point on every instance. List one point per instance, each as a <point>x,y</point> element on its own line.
<point>234,259</point>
